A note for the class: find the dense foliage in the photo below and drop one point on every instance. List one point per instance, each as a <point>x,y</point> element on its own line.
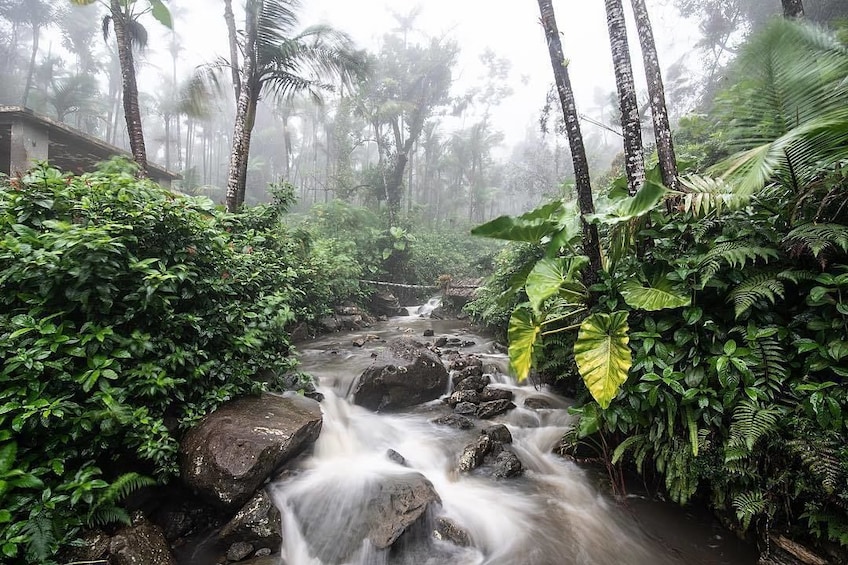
<point>715,345</point>
<point>126,314</point>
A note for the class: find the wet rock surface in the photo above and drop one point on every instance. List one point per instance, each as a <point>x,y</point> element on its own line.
<point>391,506</point>
<point>257,523</point>
<point>456,421</point>
<point>493,408</point>
<point>142,543</point>
<point>404,374</point>
<point>235,449</point>
<point>448,530</point>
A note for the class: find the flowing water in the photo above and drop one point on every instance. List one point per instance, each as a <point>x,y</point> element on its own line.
<point>554,514</point>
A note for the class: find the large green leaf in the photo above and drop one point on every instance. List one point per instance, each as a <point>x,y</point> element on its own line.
<point>551,276</point>
<point>531,227</point>
<point>602,354</point>
<point>159,11</point>
<point>660,295</point>
<point>523,332</point>
<point>626,209</point>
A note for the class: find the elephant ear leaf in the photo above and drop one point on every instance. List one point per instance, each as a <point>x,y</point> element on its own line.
<point>523,332</point>
<point>550,277</point>
<point>603,355</point>
<point>660,295</point>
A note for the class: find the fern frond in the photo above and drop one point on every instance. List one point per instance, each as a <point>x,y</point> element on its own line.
<point>41,537</point>
<point>734,254</point>
<point>705,195</point>
<point>771,359</point>
<point>123,486</point>
<point>821,461</point>
<point>750,424</point>
<point>816,239</point>
<point>749,505</point>
<point>797,276</point>
<point>758,287</point>
<point>105,515</point>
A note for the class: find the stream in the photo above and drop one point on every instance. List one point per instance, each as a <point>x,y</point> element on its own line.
<point>555,513</point>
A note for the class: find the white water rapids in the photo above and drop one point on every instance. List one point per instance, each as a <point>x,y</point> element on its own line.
<point>553,514</point>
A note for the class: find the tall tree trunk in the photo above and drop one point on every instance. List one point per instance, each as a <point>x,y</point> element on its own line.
<point>168,141</point>
<point>237,176</point>
<point>591,241</point>
<point>793,8</point>
<point>36,33</point>
<point>634,157</point>
<point>656,91</point>
<point>231,33</point>
<point>132,113</point>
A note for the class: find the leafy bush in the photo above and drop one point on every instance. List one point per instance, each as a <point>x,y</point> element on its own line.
<point>127,314</point>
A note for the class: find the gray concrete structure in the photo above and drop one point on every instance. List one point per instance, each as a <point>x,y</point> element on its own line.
<point>26,137</point>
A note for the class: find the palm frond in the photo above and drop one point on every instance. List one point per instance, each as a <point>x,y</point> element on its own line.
<point>704,195</point>
<point>788,111</point>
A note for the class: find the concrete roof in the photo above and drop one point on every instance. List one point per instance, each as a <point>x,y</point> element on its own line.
<point>73,150</point>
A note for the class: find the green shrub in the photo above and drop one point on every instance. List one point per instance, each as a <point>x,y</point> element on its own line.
<point>126,314</point>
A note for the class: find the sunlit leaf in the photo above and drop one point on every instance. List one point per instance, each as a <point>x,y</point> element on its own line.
<point>660,295</point>
<point>550,276</point>
<point>523,332</point>
<point>602,354</point>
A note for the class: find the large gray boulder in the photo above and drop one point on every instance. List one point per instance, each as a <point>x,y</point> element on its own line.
<point>384,303</point>
<point>234,450</point>
<point>404,374</point>
<point>380,512</point>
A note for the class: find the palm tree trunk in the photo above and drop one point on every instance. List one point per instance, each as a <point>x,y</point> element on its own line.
<point>237,177</point>
<point>634,158</point>
<point>231,33</point>
<point>132,113</point>
<point>793,8</point>
<point>591,241</point>
<point>656,91</point>
<point>36,32</point>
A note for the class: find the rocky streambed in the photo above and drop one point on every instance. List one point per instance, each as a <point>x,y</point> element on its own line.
<point>421,451</point>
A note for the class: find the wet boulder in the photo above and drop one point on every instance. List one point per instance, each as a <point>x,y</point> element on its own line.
<point>454,421</point>
<point>538,403</point>
<point>141,543</point>
<point>448,530</point>
<point>474,454</point>
<point>471,396</point>
<point>475,382</point>
<point>386,304</point>
<point>404,374</point>
<point>493,408</point>
<point>235,449</point>
<point>489,394</point>
<point>381,512</point>
<point>507,465</point>
<point>499,433</point>
<point>258,523</point>
<point>466,409</point>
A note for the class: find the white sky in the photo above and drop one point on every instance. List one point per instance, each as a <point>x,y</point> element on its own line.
<point>509,27</point>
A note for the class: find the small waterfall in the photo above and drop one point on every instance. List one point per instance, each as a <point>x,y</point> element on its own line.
<point>424,310</point>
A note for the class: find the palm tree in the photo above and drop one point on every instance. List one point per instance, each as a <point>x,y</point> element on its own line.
<point>634,158</point>
<point>123,17</point>
<point>789,114</point>
<point>591,241</point>
<point>656,92</point>
<point>282,62</point>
